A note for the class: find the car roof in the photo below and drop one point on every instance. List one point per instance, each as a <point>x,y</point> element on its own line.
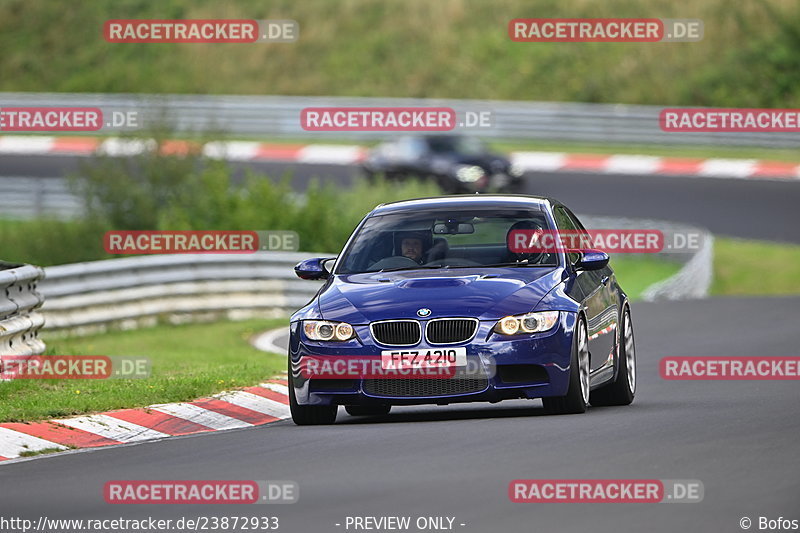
<point>468,201</point>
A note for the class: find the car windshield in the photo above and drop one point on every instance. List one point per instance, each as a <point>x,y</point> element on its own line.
<point>460,145</point>
<point>442,239</point>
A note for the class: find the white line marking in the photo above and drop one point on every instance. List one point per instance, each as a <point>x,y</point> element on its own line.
<point>727,168</point>
<point>113,428</point>
<point>115,147</point>
<point>538,160</point>
<point>13,443</point>
<point>256,403</point>
<point>201,416</point>
<point>329,153</point>
<point>266,341</point>
<point>276,387</point>
<point>21,144</point>
<point>231,150</point>
<point>632,164</point>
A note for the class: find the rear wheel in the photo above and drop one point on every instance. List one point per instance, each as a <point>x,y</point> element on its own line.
<point>578,392</point>
<point>309,415</point>
<point>367,410</point>
<point>623,388</point>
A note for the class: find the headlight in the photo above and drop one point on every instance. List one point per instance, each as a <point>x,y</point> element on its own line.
<point>322,330</point>
<point>516,170</point>
<point>469,173</point>
<point>528,323</point>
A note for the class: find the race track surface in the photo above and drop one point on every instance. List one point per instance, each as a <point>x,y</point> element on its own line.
<point>738,438</point>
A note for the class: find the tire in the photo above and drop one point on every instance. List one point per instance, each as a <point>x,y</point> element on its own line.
<point>622,390</point>
<point>368,410</point>
<point>309,415</point>
<point>578,392</point>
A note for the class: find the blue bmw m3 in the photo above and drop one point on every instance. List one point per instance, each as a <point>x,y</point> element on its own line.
<point>436,306</point>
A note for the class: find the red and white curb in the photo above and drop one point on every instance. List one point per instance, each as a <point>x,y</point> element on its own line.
<point>334,154</point>
<point>252,406</point>
<point>653,165</point>
<point>228,150</point>
<point>607,329</point>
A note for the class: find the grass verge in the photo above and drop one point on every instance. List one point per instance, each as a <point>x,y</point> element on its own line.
<point>44,451</point>
<point>413,48</point>
<point>755,268</point>
<point>188,361</point>
<point>636,273</point>
<point>741,268</point>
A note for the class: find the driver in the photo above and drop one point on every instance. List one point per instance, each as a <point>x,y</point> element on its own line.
<point>412,245</point>
<point>529,257</point>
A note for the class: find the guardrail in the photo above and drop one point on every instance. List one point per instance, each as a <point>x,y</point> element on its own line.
<point>691,281</point>
<point>694,278</point>
<point>20,319</point>
<point>92,297</point>
<point>279,116</point>
<point>85,298</point>
<point>29,197</point>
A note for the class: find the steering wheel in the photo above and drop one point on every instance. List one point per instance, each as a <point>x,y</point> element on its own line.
<point>396,261</point>
<point>454,261</point>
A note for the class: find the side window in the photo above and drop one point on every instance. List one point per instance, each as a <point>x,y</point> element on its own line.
<point>574,219</point>
<point>565,222</point>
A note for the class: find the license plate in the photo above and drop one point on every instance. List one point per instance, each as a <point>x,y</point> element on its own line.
<point>425,358</point>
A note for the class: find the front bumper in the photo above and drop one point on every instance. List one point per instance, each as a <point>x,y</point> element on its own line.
<point>524,366</point>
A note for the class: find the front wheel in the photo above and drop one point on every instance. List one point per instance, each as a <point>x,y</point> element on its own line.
<point>623,388</point>
<point>309,415</point>
<point>578,392</point>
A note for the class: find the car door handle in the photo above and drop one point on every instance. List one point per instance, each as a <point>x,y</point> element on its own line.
<point>604,281</point>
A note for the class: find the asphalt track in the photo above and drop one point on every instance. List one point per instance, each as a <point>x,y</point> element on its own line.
<point>738,437</point>
<point>747,208</point>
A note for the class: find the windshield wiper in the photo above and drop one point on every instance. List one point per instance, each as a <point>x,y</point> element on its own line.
<point>419,267</point>
<point>515,264</point>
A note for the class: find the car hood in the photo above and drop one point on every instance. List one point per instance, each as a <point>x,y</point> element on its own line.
<point>488,294</point>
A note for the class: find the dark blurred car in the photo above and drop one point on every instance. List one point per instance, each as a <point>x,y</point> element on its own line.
<point>458,164</point>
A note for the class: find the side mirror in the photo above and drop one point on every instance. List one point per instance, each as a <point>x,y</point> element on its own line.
<point>592,260</point>
<point>313,269</point>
